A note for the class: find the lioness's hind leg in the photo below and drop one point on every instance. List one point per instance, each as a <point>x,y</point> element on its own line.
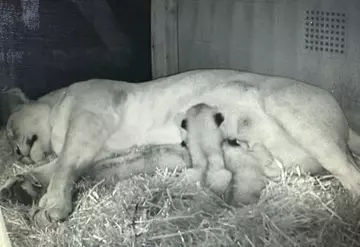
<point>330,149</point>
<point>340,163</point>
<point>319,126</point>
<point>334,156</point>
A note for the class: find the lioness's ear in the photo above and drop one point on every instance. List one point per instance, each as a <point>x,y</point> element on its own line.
<point>218,118</point>
<point>184,124</point>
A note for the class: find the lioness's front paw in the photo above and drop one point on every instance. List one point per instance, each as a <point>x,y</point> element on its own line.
<point>53,207</point>
<point>22,188</point>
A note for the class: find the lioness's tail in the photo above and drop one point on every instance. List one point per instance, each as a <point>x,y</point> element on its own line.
<point>354,142</point>
<point>147,161</point>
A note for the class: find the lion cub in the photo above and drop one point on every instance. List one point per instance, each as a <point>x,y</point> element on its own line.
<point>251,168</point>
<point>204,141</point>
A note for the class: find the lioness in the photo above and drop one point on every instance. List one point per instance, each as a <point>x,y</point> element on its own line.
<point>90,121</point>
<point>204,141</point>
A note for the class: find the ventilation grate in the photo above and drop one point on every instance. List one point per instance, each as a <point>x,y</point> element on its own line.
<point>325,31</point>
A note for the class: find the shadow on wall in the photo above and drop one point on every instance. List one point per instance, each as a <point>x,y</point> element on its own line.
<point>9,100</point>
<point>45,45</point>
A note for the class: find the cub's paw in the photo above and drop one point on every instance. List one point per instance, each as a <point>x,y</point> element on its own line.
<point>22,188</point>
<point>243,199</point>
<point>53,207</point>
<point>218,181</point>
<point>246,187</point>
<point>271,167</point>
<point>236,156</point>
<point>193,176</point>
<point>262,154</point>
<point>240,194</point>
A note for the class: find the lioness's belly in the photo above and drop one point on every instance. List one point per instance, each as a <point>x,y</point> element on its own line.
<point>257,127</point>
<point>260,128</point>
<point>130,136</point>
<point>292,156</point>
<point>245,119</point>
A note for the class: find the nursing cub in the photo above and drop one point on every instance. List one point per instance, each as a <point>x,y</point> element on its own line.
<point>204,140</point>
<point>227,167</point>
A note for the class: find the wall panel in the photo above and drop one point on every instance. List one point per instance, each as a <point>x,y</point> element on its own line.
<point>268,36</point>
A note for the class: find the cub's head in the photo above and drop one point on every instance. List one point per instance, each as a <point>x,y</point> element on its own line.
<point>201,118</point>
<point>28,132</point>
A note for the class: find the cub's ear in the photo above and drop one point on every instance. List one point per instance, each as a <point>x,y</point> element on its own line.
<point>184,124</point>
<point>183,144</point>
<point>218,118</point>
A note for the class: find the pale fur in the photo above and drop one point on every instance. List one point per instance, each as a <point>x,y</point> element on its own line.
<point>204,141</point>
<point>88,122</point>
<point>251,168</point>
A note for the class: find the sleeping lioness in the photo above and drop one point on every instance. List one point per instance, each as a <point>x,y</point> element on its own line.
<point>89,121</point>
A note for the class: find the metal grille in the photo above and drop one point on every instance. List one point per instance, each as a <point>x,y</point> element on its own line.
<point>325,31</point>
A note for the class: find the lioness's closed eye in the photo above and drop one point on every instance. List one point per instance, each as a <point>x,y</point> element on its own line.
<point>21,146</point>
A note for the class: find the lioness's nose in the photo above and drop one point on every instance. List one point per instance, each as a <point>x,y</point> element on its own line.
<point>24,150</point>
<point>22,154</point>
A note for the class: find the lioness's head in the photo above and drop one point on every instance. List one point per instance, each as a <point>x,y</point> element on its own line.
<point>28,132</point>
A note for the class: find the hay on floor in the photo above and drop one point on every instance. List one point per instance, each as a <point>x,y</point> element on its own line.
<point>160,210</point>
